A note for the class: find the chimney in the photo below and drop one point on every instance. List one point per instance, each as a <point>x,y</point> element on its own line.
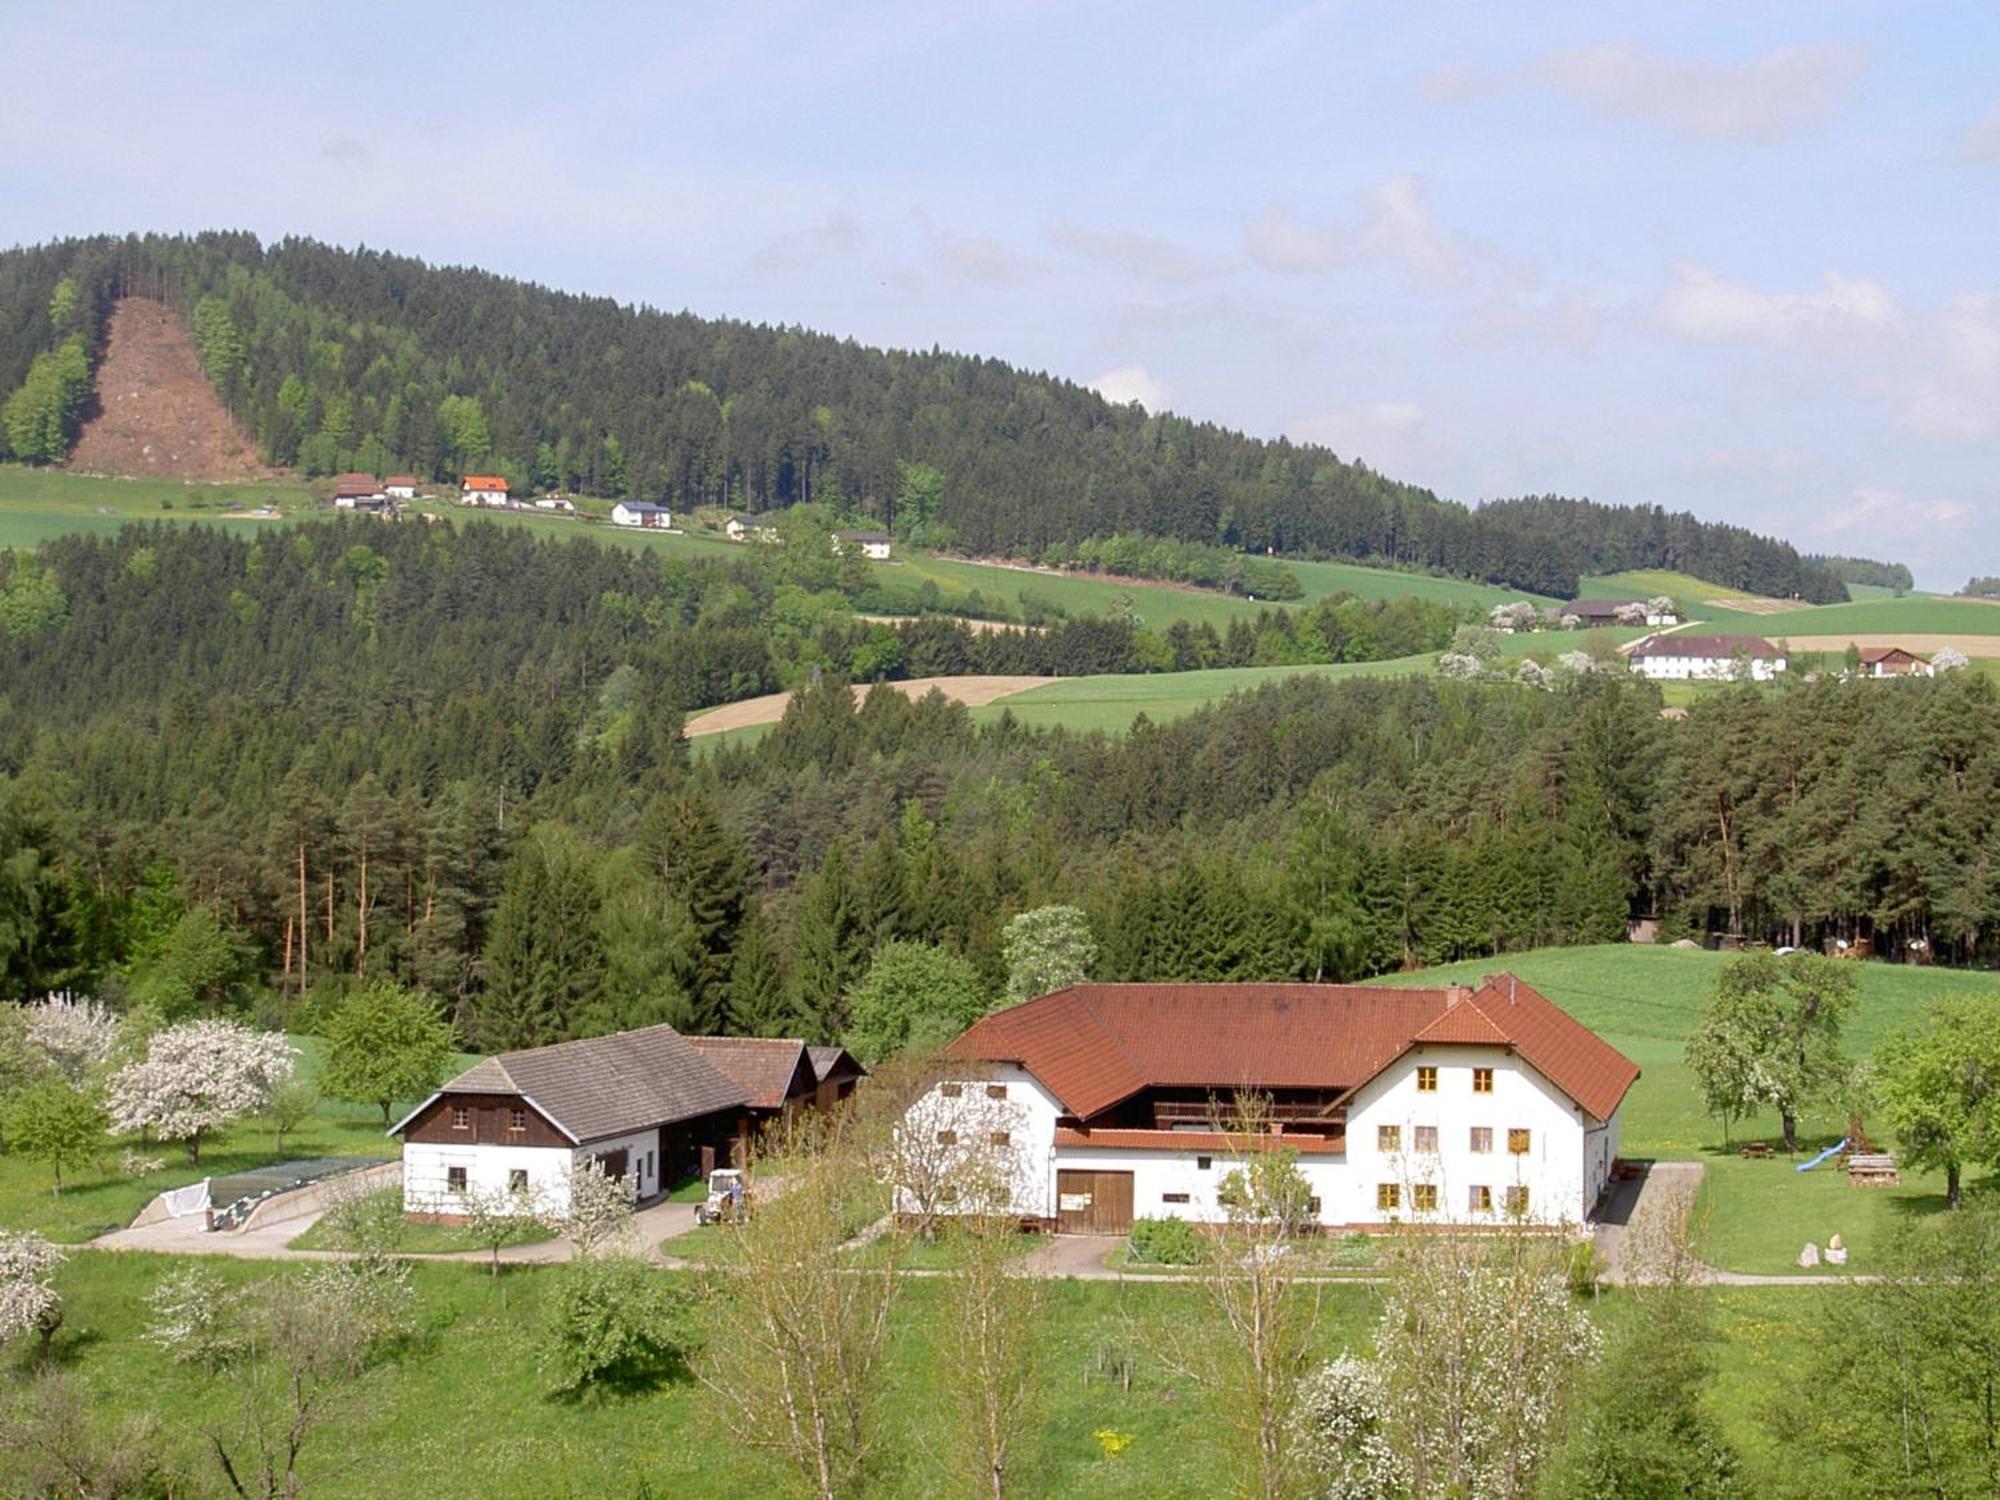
<point>1455,994</point>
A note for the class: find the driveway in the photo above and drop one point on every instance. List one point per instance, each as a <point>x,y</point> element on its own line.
<point>1074,1256</point>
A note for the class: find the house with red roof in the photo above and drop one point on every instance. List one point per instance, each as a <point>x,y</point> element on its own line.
<point>1893,661</point>
<point>1112,1102</point>
<point>1673,657</point>
<point>484,489</point>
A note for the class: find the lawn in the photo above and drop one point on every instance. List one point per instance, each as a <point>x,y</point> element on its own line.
<point>1912,615</point>
<point>1754,1215</point>
<point>1112,702</point>
<point>1690,592</point>
<point>462,1413</point>
<point>1322,580</point>
<point>38,504</point>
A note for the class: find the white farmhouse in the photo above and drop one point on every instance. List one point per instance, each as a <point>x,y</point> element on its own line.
<point>1480,1106</point>
<point>400,486</point>
<point>641,513</point>
<point>873,545</point>
<point>485,489</point>
<point>647,1103</point>
<point>1706,658</point>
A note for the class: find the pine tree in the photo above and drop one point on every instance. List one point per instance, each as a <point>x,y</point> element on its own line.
<point>757,1005</point>
<point>829,949</point>
<point>544,958</point>
<point>702,881</point>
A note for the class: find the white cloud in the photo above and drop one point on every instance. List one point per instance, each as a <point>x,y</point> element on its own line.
<point>1394,228</point>
<point>1143,257</point>
<point>1700,305</point>
<point>1872,508</point>
<point>983,261</point>
<point>1956,393</point>
<point>835,233</point>
<point>1129,383</point>
<point>346,150</point>
<point>1767,99</point>
<point>1981,141</point>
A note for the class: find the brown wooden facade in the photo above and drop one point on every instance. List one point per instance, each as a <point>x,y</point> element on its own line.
<point>483,1120</point>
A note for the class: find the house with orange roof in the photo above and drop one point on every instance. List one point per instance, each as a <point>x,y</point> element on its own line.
<point>1893,661</point>
<point>1104,1103</point>
<point>484,489</point>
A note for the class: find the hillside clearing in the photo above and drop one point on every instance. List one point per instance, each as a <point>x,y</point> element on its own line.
<point>974,692</point>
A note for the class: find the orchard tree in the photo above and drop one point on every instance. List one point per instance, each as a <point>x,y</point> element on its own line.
<point>1938,1085</point>
<point>1770,1036</point>
<point>598,1209</point>
<point>915,997</point>
<point>196,1078</point>
<point>1047,948</point>
<point>614,1322</point>
<point>384,1043</point>
<point>29,1302</point>
<point>77,1036</point>
<point>57,1122</point>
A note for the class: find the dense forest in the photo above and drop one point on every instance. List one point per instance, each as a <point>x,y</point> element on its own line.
<point>1865,571</point>
<point>336,360</point>
<point>266,767</point>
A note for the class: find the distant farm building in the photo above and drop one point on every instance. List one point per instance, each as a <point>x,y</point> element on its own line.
<point>762,527</point>
<point>400,487</point>
<point>557,503</point>
<point>1893,661</point>
<point>484,489</point>
<point>641,513</point>
<point>1586,614</point>
<point>873,545</point>
<point>359,492</point>
<point>1707,658</point>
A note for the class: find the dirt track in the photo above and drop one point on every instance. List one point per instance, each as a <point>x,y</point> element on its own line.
<point>157,416</point>
<point>971,691</point>
<point>1922,644</point>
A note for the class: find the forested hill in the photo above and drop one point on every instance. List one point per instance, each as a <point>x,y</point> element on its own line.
<point>335,360</point>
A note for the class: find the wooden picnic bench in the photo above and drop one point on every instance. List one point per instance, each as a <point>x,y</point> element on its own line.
<point>1872,1169</point>
<point>1757,1150</point>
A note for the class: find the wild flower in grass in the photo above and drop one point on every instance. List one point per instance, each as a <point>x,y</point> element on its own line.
<point>1112,1443</point>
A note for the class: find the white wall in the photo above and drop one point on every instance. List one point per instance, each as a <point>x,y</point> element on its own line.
<point>1028,1115</point>
<point>425,1170</point>
<point>1157,1173</point>
<point>1552,1169</point>
<point>1706,668</point>
<point>642,1157</point>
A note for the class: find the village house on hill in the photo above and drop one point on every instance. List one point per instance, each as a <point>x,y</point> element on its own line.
<point>1483,1105</point>
<point>873,545</point>
<point>1893,661</point>
<point>652,1105</point>
<point>1706,658</point>
<point>359,492</point>
<point>641,513</point>
<point>400,487</point>
<point>484,489</point>
<point>762,527</point>
<point>1587,614</point>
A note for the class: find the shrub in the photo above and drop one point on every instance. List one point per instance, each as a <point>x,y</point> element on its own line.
<point>1166,1242</point>
<point>614,1321</point>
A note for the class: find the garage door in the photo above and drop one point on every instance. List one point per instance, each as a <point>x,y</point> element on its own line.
<point>1093,1202</point>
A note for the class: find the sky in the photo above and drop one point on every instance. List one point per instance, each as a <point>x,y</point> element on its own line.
<point>1739,260</point>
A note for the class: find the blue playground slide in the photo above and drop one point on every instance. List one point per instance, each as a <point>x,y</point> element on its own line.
<point>1807,1166</point>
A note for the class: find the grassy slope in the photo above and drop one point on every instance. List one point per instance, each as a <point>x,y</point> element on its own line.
<point>38,504</point>
<point>1644,583</point>
<point>1916,614</point>
<point>461,1413</point>
<point>1757,1214</point>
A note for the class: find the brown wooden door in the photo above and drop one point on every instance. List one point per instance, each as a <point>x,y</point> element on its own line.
<point>615,1162</point>
<point>1093,1202</point>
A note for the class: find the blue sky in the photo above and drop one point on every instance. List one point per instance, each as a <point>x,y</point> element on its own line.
<point>1743,260</point>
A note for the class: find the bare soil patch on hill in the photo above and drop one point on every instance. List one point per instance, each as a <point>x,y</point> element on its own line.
<point>973,692</point>
<point>157,416</point>
<point>1922,642</point>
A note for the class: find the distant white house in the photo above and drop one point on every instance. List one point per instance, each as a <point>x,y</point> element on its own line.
<point>484,489</point>
<point>1099,1104</point>
<point>556,502</point>
<point>762,527</point>
<point>400,487</point>
<point>873,545</point>
<point>1586,614</point>
<point>641,513</point>
<point>1706,658</point>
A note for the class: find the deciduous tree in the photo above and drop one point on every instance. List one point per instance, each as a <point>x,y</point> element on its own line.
<point>1938,1086</point>
<point>197,1078</point>
<point>384,1043</point>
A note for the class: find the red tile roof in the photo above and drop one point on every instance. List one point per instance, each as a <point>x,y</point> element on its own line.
<point>1873,654</point>
<point>1718,647</point>
<point>1094,1044</point>
<point>764,1067</point>
<point>485,482</point>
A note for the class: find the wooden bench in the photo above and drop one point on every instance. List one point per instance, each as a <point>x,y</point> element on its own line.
<point>1872,1169</point>
<point>1757,1150</point>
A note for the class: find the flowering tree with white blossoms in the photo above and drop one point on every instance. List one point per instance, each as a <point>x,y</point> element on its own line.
<point>1630,614</point>
<point>1949,659</point>
<point>600,1206</point>
<point>1662,605</point>
<point>1341,1432</point>
<point>198,1077</point>
<point>1579,663</point>
<point>29,1302</point>
<point>76,1035</point>
<point>1533,674</point>
<point>1462,665</point>
<point>1520,615</point>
